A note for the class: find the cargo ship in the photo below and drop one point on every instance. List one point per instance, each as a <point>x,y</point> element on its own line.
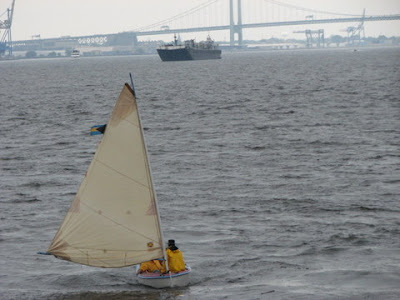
<point>189,50</point>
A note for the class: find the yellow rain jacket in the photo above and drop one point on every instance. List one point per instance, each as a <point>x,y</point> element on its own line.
<point>175,260</point>
<point>152,266</point>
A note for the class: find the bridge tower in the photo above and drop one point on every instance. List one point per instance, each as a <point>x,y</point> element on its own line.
<point>236,29</point>
<point>5,37</point>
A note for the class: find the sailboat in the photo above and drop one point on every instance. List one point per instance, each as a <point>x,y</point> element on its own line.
<point>114,220</point>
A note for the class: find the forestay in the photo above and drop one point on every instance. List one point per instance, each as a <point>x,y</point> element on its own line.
<point>113,220</point>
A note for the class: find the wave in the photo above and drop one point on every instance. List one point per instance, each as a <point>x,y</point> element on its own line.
<point>28,201</point>
<point>255,148</point>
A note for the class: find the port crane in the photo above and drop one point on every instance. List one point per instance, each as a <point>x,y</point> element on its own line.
<point>314,36</point>
<point>5,31</point>
<point>356,33</point>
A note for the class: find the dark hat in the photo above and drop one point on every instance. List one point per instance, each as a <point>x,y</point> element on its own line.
<point>171,245</point>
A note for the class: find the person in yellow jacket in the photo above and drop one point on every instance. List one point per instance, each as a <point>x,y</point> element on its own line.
<point>152,266</point>
<point>176,263</point>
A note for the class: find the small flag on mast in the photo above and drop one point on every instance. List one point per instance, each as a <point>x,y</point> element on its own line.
<point>98,129</point>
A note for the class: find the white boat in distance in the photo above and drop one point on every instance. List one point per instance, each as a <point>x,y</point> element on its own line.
<point>114,220</point>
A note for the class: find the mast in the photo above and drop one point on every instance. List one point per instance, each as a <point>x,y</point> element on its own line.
<point>151,179</point>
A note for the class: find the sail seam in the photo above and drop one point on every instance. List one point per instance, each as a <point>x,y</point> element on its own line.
<point>82,250</point>
<point>110,219</point>
<point>125,120</point>
<point>122,174</point>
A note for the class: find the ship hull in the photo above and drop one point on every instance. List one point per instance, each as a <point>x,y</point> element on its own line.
<point>188,54</point>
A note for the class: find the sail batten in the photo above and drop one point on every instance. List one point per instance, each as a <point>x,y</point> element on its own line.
<point>115,204</point>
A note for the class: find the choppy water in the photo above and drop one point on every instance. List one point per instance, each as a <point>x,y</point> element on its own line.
<point>278,173</point>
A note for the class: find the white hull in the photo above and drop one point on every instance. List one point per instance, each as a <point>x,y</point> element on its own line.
<point>158,281</point>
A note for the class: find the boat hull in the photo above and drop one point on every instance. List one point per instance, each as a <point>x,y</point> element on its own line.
<point>188,54</point>
<point>159,281</point>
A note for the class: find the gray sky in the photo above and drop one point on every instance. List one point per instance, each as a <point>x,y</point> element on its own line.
<point>55,18</point>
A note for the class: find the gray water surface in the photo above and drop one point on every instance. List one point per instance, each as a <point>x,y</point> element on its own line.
<point>277,173</point>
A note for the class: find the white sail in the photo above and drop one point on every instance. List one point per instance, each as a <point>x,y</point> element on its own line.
<point>113,220</point>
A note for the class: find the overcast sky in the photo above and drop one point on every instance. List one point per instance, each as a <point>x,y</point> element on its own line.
<point>55,18</point>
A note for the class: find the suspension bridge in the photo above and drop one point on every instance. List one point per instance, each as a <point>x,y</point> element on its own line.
<point>234,16</point>
<point>238,15</point>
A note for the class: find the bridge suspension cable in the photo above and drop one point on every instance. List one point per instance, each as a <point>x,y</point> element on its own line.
<point>183,14</point>
<point>309,9</point>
